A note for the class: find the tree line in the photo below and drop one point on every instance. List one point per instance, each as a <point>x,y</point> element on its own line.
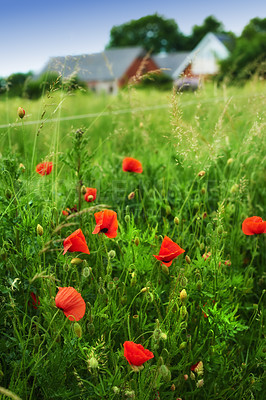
<point>158,34</point>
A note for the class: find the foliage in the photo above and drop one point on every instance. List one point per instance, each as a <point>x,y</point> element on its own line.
<point>153,33</point>
<point>129,295</point>
<point>249,54</point>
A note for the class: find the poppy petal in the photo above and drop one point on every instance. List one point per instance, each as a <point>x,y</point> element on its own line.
<point>132,165</point>
<point>71,302</point>
<point>136,354</point>
<point>76,242</point>
<point>253,225</point>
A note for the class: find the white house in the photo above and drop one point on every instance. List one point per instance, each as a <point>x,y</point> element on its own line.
<point>203,60</point>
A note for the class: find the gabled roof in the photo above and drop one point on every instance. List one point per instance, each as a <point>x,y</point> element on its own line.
<point>170,61</point>
<point>218,49</point>
<point>109,65</point>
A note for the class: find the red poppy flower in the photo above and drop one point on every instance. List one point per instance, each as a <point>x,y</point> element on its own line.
<point>132,165</point>
<point>106,222</point>
<point>69,211</point>
<point>136,354</point>
<point>253,226</point>
<point>76,242</point>
<point>35,301</point>
<point>71,302</point>
<point>198,368</point>
<point>90,194</point>
<point>168,251</point>
<point>44,168</point>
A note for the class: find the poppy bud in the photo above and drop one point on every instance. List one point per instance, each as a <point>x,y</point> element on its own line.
<point>83,189</point>
<point>186,377</point>
<point>220,230</point>
<point>36,340</point>
<point>176,220</point>
<point>130,394</point>
<point>229,161</point>
<point>201,173</point>
<point>93,363</point>
<point>101,290</point>
<point>133,279</point>
<point>91,329</point>
<point>203,190</point>
<point>76,261</point>
<point>173,387</point>
<point>228,263</point>
<point>234,188</point>
<point>183,295</point>
<point>201,246</point>
<point>39,230</point>
<point>127,219</point>
<point>165,372</point>
<point>8,194</point>
<point>77,329</point>
<point>141,125</point>
<point>21,112</point>
<point>168,210</point>
<point>86,272</point>
<point>110,285</point>
<point>183,312</point>
<point>200,383</point>
<point>192,375</point>
<point>163,336</point>
<point>199,285</point>
<point>145,289</point>
<point>111,254</point>
<point>183,345</point>
<point>90,198</point>
<point>22,167</point>
<point>196,205</point>
<point>136,241</point>
<point>165,269</point>
<point>188,260</point>
<point>116,390</point>
<point>131,196</point>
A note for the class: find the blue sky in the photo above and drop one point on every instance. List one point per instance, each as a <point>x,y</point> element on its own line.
<point>31,31</point>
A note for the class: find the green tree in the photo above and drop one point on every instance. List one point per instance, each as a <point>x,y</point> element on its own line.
<point>210,24</point>
<point>152,32</point>
<point>16,83</point>
<point>249,54</point>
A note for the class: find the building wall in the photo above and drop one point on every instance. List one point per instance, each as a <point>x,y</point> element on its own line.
<point>140,66</point>
<point>109,87</point>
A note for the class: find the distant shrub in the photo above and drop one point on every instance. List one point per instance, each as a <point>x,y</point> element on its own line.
<point>157,80</point>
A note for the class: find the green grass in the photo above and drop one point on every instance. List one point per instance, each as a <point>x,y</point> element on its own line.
<point>131,296</point>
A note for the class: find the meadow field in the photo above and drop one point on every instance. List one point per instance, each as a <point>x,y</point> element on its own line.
<point>197,309</point>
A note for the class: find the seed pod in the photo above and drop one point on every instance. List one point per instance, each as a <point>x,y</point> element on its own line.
<point>163,336</point>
